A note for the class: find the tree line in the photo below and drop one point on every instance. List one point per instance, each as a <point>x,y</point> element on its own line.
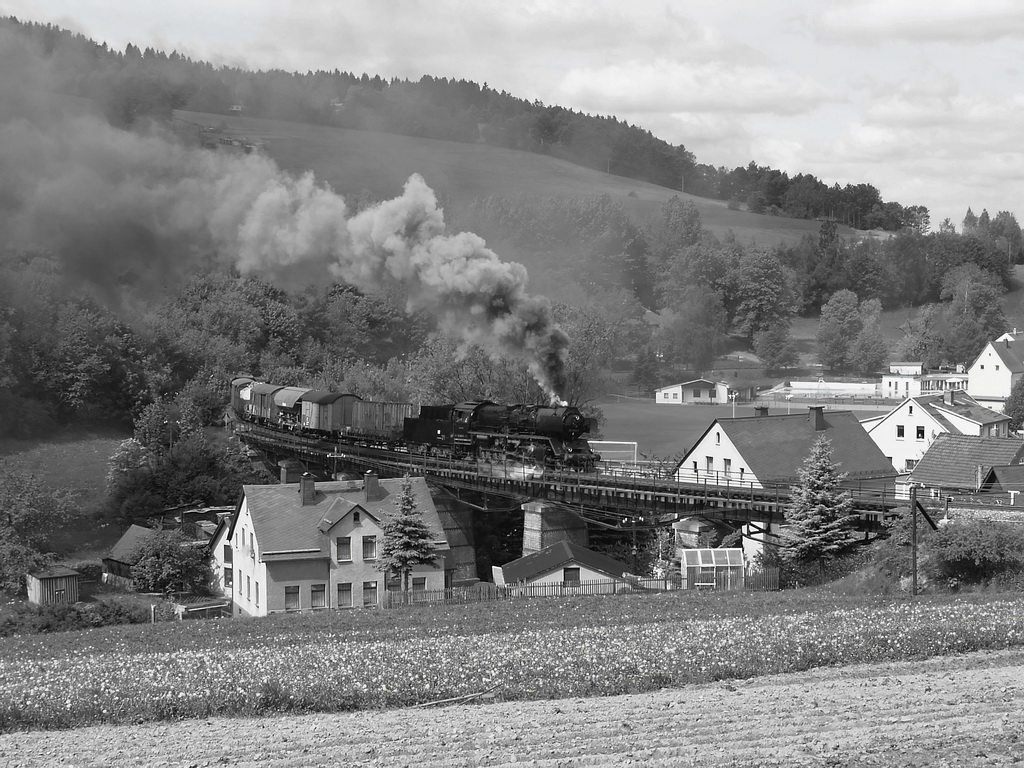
<point>136,84</point>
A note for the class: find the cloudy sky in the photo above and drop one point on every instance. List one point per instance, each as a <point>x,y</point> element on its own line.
<point>922,98</point>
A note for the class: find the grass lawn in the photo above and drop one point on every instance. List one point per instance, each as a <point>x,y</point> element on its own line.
<point>351,161</point>
<point>76,460</point>
<point>663,431</point>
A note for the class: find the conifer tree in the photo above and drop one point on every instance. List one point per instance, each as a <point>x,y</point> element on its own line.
<point>407,539</point>
<point>820,515</point>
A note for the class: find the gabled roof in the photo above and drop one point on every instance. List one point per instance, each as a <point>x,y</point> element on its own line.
<point>963,405</point>
<point>122,551</point>
<point>1008,478</point>
<point>774,447</point>
<point>936,407</point>
<point>693,381</point>
<point>338,511</point>
<point>952,461</point>
<point>283,525</point>
<point>557,556</point>
<point>1010,351</point>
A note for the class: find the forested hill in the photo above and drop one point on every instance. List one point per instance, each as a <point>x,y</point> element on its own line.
<point>137,83</point>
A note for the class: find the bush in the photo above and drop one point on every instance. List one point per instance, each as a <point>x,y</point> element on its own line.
<point>975,552</point>
<point>29,619</point>
<point>90,570</point>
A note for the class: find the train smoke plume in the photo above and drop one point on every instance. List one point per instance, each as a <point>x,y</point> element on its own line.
<point>141,208</point>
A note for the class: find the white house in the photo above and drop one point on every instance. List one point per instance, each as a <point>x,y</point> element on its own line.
<point>905,433</point>
<point>564,563</point>
<point>999,366</point>
<point>309,546</point>
<point>753,451</point>
<point>697,391</point>
<point>763,450</point>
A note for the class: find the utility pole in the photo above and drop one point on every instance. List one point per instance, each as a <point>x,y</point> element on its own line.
<point>913,540</point>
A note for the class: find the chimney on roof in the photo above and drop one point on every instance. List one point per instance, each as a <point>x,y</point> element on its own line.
<point>977,485</point>
<point>761,410</point>
<point>372,486</point>
<point>307,489</point>
<point>947,396</point>
<point>1006,343</point>
<point>817,417</point>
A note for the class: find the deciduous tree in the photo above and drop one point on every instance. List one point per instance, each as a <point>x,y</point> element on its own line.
<point>168,562</point>
<point>837,329</point>
<point>1014,407</point>
<point>30,514</point>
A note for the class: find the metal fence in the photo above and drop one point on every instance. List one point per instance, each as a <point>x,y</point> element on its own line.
<point>486,592</point>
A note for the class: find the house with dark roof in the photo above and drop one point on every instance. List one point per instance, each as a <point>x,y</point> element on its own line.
<point>755,451</point>
<point>117,565</point>
<point>999,366</point>
<point>564,563</point>
<point>764,450</point>
<point>908,430</point>
<point>314,545</point>
<point>959,464</point>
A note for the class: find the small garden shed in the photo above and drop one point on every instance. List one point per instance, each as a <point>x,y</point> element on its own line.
<point>52,585</point>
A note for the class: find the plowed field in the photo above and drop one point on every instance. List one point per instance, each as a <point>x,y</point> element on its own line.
<point>949,711</point>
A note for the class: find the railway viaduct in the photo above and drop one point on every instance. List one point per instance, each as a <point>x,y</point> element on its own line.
<point>609,498</point>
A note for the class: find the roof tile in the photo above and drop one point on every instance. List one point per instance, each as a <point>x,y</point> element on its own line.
<point>952,460</point>
<point>557,555</point>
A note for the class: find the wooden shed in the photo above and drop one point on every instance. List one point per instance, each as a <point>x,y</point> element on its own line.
<point>52,585</point>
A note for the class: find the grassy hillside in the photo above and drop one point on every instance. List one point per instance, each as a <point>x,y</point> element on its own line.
<point>351,161</point>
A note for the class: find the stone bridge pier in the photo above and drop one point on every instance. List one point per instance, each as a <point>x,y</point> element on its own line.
<point>545,524</point>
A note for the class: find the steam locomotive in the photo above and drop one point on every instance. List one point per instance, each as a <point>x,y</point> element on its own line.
<point>533,435</point>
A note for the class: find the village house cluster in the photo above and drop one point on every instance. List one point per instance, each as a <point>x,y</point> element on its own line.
<point>307,545</point>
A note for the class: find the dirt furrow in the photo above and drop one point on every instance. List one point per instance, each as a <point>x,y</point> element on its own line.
<point>955,711</point>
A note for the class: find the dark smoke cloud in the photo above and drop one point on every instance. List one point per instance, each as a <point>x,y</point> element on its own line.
<point>143,209</point>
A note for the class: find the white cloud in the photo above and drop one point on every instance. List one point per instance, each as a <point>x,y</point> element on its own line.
<point>953,21</point>
<point>664,85</point>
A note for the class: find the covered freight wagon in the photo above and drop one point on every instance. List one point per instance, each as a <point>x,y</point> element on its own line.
<point>327,412</point>
<point>241,393</point>
<point>384,420</point>
<point>261,405</point>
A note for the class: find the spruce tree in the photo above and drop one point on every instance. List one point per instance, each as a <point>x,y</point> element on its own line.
<point>820,514</point>
<point>407,539</point>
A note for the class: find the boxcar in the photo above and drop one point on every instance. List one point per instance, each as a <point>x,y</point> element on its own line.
<point>261,406</point>
<point>384,420</point>
<point>327,412</point>
<point>241,393</point>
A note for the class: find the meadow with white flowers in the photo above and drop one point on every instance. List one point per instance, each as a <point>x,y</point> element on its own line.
<point>542,648</point>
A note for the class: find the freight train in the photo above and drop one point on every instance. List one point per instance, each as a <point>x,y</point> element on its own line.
<point>533,435</point>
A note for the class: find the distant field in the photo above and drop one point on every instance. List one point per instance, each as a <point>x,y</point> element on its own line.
<point>351,161</point>
<point>78,462</point>
<point>661,430</point>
